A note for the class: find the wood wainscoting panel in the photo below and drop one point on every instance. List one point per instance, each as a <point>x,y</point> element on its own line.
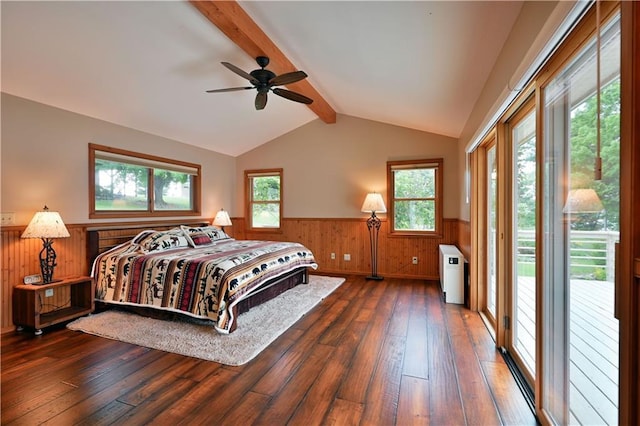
<point>342,236</point>
<point>20,257</point>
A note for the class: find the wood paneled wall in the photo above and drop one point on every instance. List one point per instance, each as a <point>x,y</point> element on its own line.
<point>20,258</point>
<point>322,236</point>
<point>351,236</point>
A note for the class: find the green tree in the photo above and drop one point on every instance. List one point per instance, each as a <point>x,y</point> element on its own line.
<point>525,184</point>
<point>120,174</point>
<point>415,212</point>
<point>161,181</point>
<point>266,188</point>
<point>267,191</point>
<point>583,148</point>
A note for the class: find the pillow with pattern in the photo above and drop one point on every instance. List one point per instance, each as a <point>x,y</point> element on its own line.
<point>151,240</point>
<point>204,235</point>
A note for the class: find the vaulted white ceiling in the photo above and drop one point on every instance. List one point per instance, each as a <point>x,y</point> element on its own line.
<point>146,65</point>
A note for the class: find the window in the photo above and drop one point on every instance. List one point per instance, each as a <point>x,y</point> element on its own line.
<point>129,184</point>
<point>415,189</point>
<point>264,198</point>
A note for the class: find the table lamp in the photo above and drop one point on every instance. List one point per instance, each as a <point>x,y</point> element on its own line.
<point>46,225</point>
<point>222,219</point>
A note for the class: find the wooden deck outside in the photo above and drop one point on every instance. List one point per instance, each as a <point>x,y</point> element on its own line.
<point>593,373</point>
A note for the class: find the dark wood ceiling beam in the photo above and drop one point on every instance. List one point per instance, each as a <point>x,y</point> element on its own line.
<point>236,24</point>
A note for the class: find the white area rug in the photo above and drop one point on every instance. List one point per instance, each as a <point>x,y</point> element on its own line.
<point>256,328</point>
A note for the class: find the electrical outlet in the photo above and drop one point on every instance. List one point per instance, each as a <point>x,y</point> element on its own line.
<point>414,260</point>
<point>333,256</point>
<point>347,257</point>
<point>48,292</point>
<point>8,219</point>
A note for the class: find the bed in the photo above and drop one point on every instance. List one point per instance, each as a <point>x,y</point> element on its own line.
<point>193,270</point>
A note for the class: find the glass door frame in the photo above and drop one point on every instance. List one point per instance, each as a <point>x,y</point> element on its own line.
<point>506,129</point>
<point>479,229</point>
<point>628,266</point>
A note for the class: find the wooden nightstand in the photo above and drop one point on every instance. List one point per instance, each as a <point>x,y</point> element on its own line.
<point>40,306</point>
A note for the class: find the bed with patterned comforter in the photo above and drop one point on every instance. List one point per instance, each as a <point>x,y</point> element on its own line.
<point>200,272</point>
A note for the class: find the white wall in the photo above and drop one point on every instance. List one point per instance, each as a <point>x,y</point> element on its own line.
<point>537,21</point>
<point>45,160</point>
<point>329,168</point>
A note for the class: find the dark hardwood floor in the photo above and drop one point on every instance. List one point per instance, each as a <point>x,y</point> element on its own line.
<point>372,353</point>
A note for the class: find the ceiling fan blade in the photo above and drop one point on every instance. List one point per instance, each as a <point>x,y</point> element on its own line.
<point>292,96</point>
<point>240,72</point>
<point>287,78</point>
<point>261,100</point>
<point>230,89</point>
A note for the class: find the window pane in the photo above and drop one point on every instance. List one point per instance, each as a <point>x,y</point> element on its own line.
<point>580,347</point>
<point>266,215</point>
<point>172,190</point>
<point>524,243</point>
<point>120,186</point>
<point>415,183</point>
<point>266,188</point>
<point>492,231</point>
<point>264,198</point>
<point>415,215</point>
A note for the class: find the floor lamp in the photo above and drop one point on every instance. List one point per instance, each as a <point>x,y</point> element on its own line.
<point>374,203</point>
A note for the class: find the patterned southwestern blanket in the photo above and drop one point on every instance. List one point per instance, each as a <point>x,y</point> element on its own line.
<point>203,282</point>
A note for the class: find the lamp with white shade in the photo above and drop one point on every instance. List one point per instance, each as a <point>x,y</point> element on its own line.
<point>373,203</point>
<point>583,200</point>
<point>584,205</point>
<point>222,219</point>
<point>46,225</point>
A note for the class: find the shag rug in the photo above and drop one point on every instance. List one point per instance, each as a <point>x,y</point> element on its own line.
<point>257,328</point>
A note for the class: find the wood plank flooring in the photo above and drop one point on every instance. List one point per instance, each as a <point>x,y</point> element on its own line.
<point>372,353</point>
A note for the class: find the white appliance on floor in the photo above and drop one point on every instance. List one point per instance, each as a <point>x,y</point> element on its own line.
<point>452,274</point>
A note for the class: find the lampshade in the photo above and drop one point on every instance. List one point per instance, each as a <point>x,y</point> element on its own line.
<point>373,203</point>
<point>583,200</point>
<point>46,224</point>
<point>222,218</point>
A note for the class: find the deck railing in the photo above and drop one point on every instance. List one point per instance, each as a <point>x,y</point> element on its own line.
<point>592,253</point>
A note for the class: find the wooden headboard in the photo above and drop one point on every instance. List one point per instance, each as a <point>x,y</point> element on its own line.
<point>100,239</point>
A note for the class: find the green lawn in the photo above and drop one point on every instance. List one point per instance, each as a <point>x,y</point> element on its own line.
<point>140,203</point>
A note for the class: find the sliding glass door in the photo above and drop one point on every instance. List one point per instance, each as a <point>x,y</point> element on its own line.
<point>580,225</point>
<point>485,206</point>
<point>521,342</point>
<point>545,224</point>
<point>491,279</point>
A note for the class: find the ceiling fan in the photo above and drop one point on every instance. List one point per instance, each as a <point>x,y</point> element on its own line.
<point>265,80</point>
